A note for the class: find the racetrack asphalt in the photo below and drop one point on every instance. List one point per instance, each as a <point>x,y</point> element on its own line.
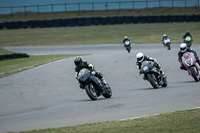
<point>48,96</point>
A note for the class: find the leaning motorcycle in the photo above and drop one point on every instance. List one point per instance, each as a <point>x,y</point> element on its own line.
<point>127,45</point>
<point>153,75</point>
<point>166,43</point>
<point>189,62</point>
<point>94,87</point>
<point>188,41</point>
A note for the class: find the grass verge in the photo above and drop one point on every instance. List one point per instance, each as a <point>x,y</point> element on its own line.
<point>187,121</point>
<point>102,34</point>
<point>4,51</point>
<point>8,67</point>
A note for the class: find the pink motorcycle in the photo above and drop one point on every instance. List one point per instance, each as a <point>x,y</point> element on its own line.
<point>190,63</point>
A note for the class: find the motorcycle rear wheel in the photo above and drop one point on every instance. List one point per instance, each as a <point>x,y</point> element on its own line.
<point>152,79</point>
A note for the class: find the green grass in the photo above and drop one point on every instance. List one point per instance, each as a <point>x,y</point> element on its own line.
<point>76,14</point>
<point>4,51</point>
<point>11,66</point>
<point>176,122</point>
<point>107,34</point>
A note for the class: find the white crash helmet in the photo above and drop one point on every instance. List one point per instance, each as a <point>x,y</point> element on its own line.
<point>183,47</point>
<point>164,35</point>
<point>140,57</point>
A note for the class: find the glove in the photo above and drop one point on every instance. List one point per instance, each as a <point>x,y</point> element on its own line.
<point>141,71</point>
<point>81,86</point>
<point>155,64</point>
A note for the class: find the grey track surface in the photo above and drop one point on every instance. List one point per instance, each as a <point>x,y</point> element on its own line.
<point>48,96</point>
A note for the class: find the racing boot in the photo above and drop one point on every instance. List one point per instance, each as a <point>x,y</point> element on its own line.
<point>198,67</point>
<point>183,68</point>
<point>104,81</point>
<point>163,74</point>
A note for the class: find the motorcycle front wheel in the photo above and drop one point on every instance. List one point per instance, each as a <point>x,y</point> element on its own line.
<point>91,92</point>
<point>128,49</point>
<point>194,74</point>
<point>107,93</point>
<point>153,81</point>
<point>164,83</point>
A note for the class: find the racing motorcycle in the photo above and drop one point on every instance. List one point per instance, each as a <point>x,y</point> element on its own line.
<point>153,75</point>
<point>94,87</point>
<point>127,45</point>
<point>167,42</point>
<point>188,41</point>
<point>189,62</point>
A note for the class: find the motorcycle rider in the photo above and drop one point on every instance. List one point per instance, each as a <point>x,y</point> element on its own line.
<point>187,33</point>
<point>164,38</point>
<point>183,49</point>
<point>126,39</point>
<point>79,63</point>
<point>141,57</point>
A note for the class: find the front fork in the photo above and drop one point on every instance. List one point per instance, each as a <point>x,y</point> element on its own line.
<point>97,83</point>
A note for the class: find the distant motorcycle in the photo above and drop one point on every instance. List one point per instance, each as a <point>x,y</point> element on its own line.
<point>92,85</point>
<point>189,62</point>
<point>188,41</point>
<point>167,42</point>
<point>127,45</point>
<point>153,75</point>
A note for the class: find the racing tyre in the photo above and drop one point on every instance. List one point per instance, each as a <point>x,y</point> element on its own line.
<point>153,81</point>
<point>107,93</point>
<point>164,83</point>
<point>91,92</point>
<point>194,74</point>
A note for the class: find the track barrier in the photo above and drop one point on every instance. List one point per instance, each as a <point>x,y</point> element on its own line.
<point>98,21</point>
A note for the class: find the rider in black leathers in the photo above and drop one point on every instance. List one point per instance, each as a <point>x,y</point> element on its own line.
<point>186,34</point>
<point>79,63</point>
<point>164,37</point>
<point>183,49</point>
<point>141,57</point>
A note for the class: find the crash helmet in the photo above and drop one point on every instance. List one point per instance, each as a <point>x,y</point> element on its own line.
<point>187,32</point>
<point>78,61</point>
<point>140,57</point>
<point>164,35</point>
<point>125,37</point>
<point>183,47</point>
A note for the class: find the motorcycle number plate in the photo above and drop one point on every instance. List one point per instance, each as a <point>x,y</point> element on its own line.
<point>188,62</point>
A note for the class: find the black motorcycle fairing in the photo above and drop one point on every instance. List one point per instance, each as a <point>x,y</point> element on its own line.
<point>85,77</point>
<point>148,69</point>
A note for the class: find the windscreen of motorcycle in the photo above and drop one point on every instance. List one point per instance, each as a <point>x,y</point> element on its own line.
<point>167,40</point>
<point>188,59</point>
<point>188,38</point>
<point>146,65</point>
<point>127,42</point>
<point>83,75</point>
